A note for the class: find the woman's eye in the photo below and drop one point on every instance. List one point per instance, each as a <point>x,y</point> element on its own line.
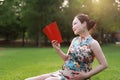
<point>75,23</point>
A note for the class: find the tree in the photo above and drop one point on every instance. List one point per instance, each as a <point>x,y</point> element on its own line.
<point>8,21</point>
<point>36,14</point>
<point>20,17</point>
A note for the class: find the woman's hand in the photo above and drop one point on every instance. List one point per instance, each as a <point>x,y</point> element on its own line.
<point>55,44</point>
<point>79,75</point>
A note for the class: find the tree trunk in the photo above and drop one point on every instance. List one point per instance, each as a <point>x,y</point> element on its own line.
<point>38,39</point>
<point>23,37</point>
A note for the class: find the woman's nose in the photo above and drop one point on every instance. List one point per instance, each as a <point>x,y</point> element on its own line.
<point>73,27</point>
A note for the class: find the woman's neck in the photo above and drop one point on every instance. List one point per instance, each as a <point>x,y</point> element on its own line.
<point>84,34</point>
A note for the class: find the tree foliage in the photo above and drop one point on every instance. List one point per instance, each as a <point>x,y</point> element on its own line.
<point>21,17</point>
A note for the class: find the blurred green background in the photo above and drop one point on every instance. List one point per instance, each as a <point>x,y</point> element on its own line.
<point>25,51</point>
<point>22,21</point>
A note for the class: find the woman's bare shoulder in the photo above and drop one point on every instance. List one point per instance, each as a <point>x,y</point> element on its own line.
<point>94,43</point>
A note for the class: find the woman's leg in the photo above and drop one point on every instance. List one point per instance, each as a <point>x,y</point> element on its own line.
<point>41,77</point>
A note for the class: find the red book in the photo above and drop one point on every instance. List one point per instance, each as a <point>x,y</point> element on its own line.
<point>52,32</point>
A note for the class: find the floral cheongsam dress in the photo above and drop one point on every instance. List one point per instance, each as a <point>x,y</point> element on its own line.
<point>80,57</point>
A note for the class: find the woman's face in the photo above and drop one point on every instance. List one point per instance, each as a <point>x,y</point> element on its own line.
<point>77,26</point>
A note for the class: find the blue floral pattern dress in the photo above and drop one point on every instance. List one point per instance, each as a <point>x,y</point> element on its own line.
<point>80,55</point>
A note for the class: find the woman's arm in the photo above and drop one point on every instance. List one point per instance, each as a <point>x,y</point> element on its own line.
<point>56,46</point>
<point>100,57</point>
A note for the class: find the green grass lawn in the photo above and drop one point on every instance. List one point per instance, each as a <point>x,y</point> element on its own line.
<point>20,63</point>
